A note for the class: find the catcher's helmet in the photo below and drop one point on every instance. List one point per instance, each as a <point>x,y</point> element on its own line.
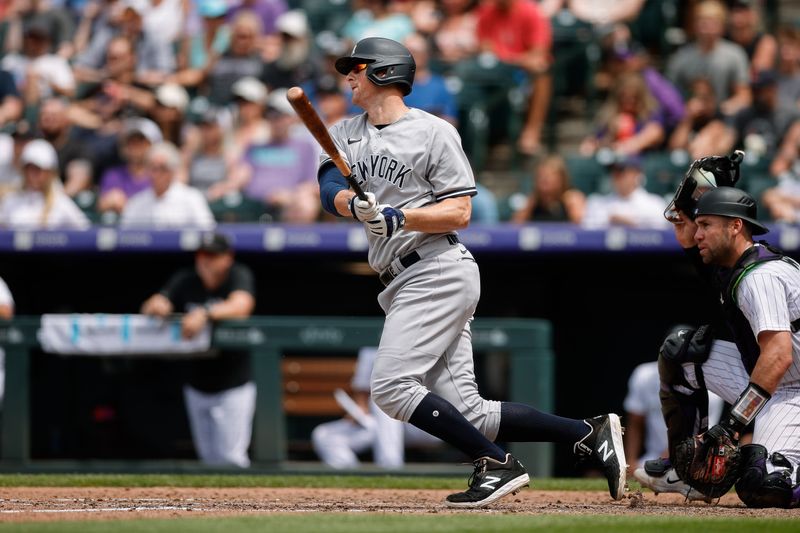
<point>731,202</point>
<point>703,174</point>
<point>387,61</point>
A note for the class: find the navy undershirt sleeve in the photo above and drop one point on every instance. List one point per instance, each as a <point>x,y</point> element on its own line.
<point>331,181</point>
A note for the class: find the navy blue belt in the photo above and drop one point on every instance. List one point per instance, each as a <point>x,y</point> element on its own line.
<point>407,260</point>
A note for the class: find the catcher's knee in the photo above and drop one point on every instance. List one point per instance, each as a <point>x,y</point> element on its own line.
<point>758,488</point>
<point>685,344</point>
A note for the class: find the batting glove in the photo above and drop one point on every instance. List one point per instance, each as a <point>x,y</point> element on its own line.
<point>388,221</point>
<point>363,210</point>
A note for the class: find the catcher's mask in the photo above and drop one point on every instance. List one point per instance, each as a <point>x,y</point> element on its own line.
<point>703,174</point>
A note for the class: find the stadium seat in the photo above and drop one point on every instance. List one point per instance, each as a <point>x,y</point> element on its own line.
<point>491,103</point>
<point>663,175</point>
<point>87,202</point>
<point>238,208</point>
<point>586,173</point>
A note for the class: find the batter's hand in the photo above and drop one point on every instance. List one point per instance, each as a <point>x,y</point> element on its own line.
<point>388,221</point>
<point>363,210</point>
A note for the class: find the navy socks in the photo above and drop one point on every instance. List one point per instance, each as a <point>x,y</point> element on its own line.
<point>441,419</point>
<point>523,423</point>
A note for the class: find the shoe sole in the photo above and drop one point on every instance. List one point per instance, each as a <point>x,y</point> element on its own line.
<point>616,440</point>
<point>512,487</point>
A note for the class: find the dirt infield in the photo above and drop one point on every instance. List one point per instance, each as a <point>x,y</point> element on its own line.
<point>47,504</point>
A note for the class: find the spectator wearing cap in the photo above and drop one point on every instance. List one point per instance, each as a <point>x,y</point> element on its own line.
<point>629,203</point>
<point>219,393</point>
<point>168,203</point>
<point>41,201</point>
<point>241,59</point>
<point>249,124</point>
<point>119,183</point>
<point>765,129</point>
<point>75,161</point>
<point>153,59</point>
<point>169,112</point>
<point>39,73</point>
<point>295,59</point>
<point>281,172</point>
<point>724,63</point>
<point>744,29</point>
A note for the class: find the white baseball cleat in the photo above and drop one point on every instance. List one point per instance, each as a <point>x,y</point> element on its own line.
<point>659,476</point>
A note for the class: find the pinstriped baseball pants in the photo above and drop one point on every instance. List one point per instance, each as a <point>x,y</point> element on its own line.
<point>777,426</point>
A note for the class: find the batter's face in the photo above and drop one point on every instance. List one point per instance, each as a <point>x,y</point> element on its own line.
<point>715,238</point>
<point>363,89</point>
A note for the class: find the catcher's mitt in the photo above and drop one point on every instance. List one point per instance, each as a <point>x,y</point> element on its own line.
<point>709,463</point>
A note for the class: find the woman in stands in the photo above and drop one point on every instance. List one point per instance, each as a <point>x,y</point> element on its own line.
<point>41,201</point>
<point>552,198</point>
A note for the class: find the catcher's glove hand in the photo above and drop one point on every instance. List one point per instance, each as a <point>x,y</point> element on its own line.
<point>710,462</point>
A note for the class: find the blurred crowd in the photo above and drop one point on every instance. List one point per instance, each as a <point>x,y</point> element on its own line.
<point>173,113</point>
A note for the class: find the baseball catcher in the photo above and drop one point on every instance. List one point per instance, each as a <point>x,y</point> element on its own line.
<point>751,358</point>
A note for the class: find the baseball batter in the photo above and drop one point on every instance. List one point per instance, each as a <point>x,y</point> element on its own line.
<point>419,186</point>
<point>759,373</point>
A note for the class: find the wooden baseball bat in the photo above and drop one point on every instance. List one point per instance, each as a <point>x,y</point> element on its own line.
<point>311,119</point>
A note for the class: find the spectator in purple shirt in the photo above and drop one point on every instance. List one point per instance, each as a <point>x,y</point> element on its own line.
<point>282,171</point>
<point>120,183</point>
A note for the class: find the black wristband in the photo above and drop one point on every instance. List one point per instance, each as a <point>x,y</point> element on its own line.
<point>748,405</point>
<point>351,206</point>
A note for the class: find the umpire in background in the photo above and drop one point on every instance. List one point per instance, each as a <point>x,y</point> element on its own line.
<point>220,394</point>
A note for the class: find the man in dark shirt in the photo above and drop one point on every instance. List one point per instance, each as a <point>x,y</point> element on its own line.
<point>220,394</point>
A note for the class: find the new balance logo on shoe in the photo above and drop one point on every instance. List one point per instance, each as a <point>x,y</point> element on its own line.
<point>490,482</point>
<point>605,451</point>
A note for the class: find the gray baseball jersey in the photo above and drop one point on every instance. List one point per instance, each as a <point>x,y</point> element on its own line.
<point>426,339</point>
<point>413,162</point>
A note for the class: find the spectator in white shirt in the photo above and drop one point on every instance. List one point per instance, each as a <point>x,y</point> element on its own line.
<point>629,203</point>
<point>41,202</point>
<point>168,203</point>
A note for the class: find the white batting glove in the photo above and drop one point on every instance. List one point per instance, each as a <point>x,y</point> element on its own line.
<point>363,210</point>
<point>388,221</point>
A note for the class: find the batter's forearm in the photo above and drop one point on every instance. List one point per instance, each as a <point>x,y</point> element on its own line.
<point>448,215</point>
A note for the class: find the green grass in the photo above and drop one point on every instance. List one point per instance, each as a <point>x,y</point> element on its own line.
<point>272,481</point>
<point>377,523</point>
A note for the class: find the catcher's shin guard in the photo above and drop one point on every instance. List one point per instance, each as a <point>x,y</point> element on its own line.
<point>685,408</point>
<point>759,489</point>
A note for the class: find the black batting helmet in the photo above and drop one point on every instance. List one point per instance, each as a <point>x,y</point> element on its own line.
<point>731,202</point>
<point>388,62</point>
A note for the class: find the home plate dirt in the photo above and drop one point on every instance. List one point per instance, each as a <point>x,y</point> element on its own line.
<point>64,503</point>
